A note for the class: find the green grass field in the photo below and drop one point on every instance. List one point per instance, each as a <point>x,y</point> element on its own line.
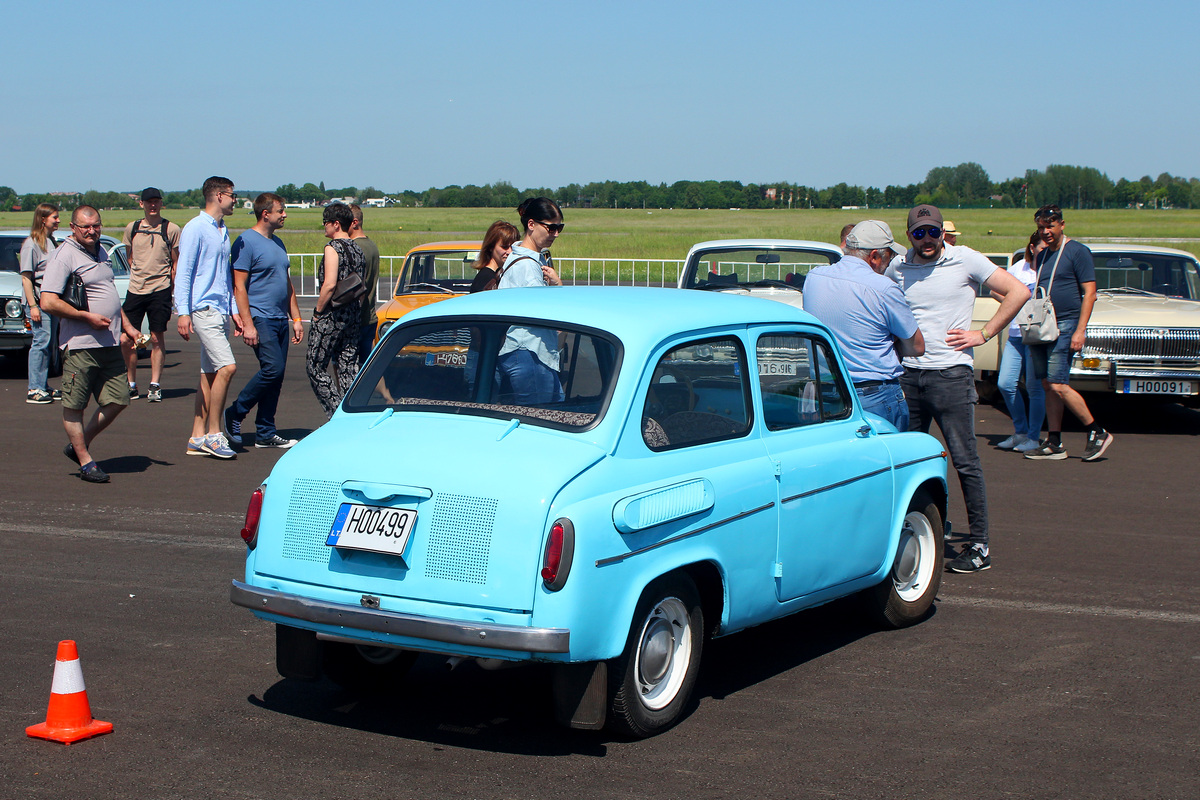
<point>667,234</point>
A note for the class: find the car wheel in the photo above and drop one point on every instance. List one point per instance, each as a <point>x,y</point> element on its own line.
<point>365,669</point>
<point>651,682</point>
<point>907,594</point>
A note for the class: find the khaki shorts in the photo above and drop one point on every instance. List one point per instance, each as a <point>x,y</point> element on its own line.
<point>212,329</point>
<point>94,372</point>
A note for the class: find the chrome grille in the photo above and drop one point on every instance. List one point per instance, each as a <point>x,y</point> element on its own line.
<point>460,538</point>
<point>1174,346</point>
<point>311,510</point>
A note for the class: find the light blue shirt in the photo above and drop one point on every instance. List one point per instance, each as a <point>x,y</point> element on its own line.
<point>866,312</point>
<point>527,271</point>
<point>203,278</point>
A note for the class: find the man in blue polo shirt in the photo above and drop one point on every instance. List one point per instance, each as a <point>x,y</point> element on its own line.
<point>869,317</point>
<point>266,305</point>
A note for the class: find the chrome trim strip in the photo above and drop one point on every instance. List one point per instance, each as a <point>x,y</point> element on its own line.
<point>839,484</point>
<point>614,559</point>
<point>487,635</point>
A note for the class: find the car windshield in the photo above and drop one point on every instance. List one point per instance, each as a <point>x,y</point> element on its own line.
<point>752,267</point>
<point>438,271</point>
<point>545,373</point>
<point>10,252</point>
<point>1159,273</point>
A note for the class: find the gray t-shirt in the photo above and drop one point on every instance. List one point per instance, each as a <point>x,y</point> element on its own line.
<point>97,274</point>
<point>942,298</point>
<point>33,260</point>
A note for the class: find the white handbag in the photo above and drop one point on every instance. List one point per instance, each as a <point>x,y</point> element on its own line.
<point>1036,318</point>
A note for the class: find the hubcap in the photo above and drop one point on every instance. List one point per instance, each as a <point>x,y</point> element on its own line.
<point>915,561</point>
<point>663,653</point>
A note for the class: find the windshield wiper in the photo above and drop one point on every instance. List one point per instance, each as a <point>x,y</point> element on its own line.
<point>1130,290</point>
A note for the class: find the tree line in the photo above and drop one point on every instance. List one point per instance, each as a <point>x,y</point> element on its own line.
<point>964,186</point>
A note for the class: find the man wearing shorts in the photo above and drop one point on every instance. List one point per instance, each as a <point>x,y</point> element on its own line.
<point>1066,273</point>
<point>92,366</point>
<point>204,302</point>
<point>153,247</point>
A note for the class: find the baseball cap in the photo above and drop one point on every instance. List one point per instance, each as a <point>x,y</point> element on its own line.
<point>924,214</point>
<point>872,234</point>
<point>150,193</point>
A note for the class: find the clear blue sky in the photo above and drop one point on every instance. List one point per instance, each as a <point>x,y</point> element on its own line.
<point>409,95</point>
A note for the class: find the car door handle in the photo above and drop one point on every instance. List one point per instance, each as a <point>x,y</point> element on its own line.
<point>863,432</point>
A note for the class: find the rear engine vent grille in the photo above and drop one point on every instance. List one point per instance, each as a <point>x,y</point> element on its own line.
<point>310,514</point>
<point>460,538</point>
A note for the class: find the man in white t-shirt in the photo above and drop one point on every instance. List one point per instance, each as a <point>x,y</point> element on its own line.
<point>940,284</point>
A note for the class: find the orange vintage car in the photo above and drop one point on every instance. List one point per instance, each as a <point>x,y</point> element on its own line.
<point>431,272</point>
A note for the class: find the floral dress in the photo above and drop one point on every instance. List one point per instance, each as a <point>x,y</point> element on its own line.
<point>333,334</point>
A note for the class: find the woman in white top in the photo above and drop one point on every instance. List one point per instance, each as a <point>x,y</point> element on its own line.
<point>1027,423</point>
<point>35,252</point>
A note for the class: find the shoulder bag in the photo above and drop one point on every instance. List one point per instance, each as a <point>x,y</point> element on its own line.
<point>494,283</point>
<point>1036,318</point>
<point>75,293</point>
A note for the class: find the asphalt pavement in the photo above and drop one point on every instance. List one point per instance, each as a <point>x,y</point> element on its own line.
<point>1070,669</point>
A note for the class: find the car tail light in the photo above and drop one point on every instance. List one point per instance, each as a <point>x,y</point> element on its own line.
<point>560,551</point>
<point>253,514</point>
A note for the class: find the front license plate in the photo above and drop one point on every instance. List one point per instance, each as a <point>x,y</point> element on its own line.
<point>1150,386</point>
<point>378,529</point>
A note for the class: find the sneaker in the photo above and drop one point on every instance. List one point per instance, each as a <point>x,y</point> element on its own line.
<point>1097,443</point>
<point>233,427</point>
<point>1027,446</point>
<point>69,452</point>
<point>155,394</point>
<point>55,394</point>
<point>91,473</point>
<point>133,395</point>
<point>973,558</point>
<point>217,446</point>
<point>1012,442</point>
<point>195,446</point>
<point>276,441</point>
<point>1048,452</point>
<point>38,397</point>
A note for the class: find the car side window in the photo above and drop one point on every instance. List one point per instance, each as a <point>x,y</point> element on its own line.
<point>698,393</point>
<point>800,381</point>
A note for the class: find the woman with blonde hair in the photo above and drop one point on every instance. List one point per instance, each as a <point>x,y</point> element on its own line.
<point>35,252</point>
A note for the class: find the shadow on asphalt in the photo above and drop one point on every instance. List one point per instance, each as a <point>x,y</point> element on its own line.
<point>510,710</point>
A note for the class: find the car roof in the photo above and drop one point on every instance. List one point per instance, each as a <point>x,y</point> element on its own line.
<point>442,246</point>
<point>1106,247</point>
<point>632,313</point>
<point>766,244</point>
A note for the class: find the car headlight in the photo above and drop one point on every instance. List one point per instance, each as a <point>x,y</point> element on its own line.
<point>12,309</point>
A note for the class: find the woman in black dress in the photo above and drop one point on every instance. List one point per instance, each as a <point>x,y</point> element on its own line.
<point>333,333</point>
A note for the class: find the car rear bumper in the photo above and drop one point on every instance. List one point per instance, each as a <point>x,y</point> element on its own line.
<point>489,636</point>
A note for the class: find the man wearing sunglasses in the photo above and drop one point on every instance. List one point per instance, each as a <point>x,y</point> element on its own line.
<point>1067,274</point>
<point>940,283</point>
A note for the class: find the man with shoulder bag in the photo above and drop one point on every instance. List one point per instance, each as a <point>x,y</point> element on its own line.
<point>1066,276</point>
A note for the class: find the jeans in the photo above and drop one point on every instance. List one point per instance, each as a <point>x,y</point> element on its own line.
<point>1015,361</point>
<point>886,401</point>
<point>947,397</point>
<point>40,350</point>
<point>263,389</point>
<point>1052,361</point>
<point>366,340</point>
<point>532,382</point>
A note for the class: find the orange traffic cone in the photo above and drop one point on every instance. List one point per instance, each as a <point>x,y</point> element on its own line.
<point>69,717</point>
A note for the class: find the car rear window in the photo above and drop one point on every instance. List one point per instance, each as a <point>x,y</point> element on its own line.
<point>540,372</point>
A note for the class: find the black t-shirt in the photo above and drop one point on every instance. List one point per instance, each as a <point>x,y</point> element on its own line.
<point>1075,267</point>
<point>482,278</point>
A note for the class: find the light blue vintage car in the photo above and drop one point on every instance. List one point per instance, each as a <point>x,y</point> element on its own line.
<point>648,468</point>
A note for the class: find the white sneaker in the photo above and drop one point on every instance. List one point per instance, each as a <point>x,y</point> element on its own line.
<point>1027,446</point>
<point>1013,442</point>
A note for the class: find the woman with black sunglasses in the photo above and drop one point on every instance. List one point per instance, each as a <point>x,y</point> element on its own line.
<point>529,356</point>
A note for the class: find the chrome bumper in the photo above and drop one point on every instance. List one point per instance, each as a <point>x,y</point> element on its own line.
<point>432,629</point>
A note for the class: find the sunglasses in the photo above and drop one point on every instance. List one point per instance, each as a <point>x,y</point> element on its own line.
<point>932,233</point>
<point>1048,212</point>
<point>553,227</point>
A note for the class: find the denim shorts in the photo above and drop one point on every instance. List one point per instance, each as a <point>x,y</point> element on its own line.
<point>1052,362</point>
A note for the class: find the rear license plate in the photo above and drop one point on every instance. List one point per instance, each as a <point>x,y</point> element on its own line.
<point>1149,386</point>
<point>378,529</point>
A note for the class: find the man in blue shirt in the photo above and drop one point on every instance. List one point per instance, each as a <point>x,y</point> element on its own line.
<point>869,317</point>
<point>270,317</point>
<point>204,302</point>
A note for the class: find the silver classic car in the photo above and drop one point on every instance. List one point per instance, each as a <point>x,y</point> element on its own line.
<point>1144,333</point>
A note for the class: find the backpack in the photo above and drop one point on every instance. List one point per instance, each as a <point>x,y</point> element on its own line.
<point>162,231</point>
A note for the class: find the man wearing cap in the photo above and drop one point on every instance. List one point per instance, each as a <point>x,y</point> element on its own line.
<point>940,283</point>
<point>869,317</point>
<point>153,247</point>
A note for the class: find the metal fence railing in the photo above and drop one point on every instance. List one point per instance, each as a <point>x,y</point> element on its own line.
<point>574,271</point>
